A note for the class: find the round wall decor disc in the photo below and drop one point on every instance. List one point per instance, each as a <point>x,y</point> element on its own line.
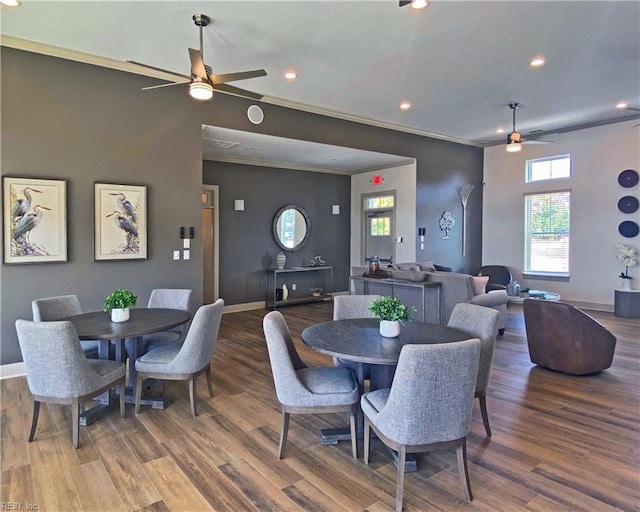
<point>628,178</point>
<point>628,229</point>
<point>255,114</point>
<point>628,204</point>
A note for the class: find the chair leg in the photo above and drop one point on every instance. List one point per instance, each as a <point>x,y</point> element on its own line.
<point>283,434</point>
<point>485,414</point>
<point>402,458</point>
<point>34,421</point>
<point>463,469</point>
<point>192,395</point>
<point>352,427</point>
<point>367,439</point>
<point>138,393</point>
<point>122,386</point>
<point>209,383</point>
<point>75,420</point>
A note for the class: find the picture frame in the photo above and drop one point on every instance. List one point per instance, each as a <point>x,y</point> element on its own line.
<point>34,220</point>
<point>120,222</point>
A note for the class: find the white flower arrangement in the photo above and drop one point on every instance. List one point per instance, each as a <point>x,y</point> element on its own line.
<point>629,257</point>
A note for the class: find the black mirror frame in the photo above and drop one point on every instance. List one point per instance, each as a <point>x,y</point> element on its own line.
<point>274,227</point>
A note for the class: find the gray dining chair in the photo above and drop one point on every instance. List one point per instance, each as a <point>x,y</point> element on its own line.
<point>170,298</point>
<point>428,406</point>
<point>482,323</point>
<point>58,371</point>
<point>307,390</point>
<point>186,361</point>
<point>55,308</point>
<point>352,306</point>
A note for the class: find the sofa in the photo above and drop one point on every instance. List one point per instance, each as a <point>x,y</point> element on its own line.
<point>454,288</point>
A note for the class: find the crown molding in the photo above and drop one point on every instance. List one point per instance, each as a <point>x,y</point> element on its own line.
<point>127,67</point>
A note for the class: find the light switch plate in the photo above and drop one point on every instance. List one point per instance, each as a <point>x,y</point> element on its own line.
<point>186,254</point>
<point>176,255</point>
<point>186,243</point>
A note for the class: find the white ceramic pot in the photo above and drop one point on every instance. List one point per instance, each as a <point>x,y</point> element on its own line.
<point>120,314</point>
<point>281,259</point>
<point>626,284</point>
<point>389,328</point>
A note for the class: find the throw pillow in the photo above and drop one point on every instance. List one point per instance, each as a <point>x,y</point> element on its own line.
<point>480,284</point>
<point>427,266</point>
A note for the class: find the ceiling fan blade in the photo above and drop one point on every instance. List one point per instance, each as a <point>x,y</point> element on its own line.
<point>537,141</point>
<point>404,2</point>
<point>164,85</point>
<point>158,69</point>
<point>240,75</point>
<point>237,91</point>
<point>197,64</point>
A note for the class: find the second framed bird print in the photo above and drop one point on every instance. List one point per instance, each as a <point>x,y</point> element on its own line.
<point>120,222</point>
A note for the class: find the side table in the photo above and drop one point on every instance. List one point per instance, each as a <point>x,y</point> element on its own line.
<point>627,303</point>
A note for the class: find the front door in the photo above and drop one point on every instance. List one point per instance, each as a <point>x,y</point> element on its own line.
<point>379,228</point>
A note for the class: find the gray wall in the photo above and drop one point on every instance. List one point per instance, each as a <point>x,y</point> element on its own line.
<point>83,123</point>
<point>246,241</point>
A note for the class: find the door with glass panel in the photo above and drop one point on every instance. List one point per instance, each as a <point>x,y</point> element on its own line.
<point>379,227</point>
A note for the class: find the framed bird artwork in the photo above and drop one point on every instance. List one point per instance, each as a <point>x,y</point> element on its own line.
<point>120,222</point>
<point>34,220</point>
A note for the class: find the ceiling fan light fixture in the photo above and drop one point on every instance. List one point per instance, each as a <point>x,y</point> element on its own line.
<point>201,91</point>
<point>514,142</point>
<point>11,3</point>
<point>419,4</point>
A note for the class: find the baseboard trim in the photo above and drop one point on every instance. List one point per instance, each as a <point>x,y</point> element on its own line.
<point>247,306</point>
<point>8,371</point>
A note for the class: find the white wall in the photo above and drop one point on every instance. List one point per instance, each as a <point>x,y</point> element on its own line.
<point>402,180</point>
<point>598,156</point>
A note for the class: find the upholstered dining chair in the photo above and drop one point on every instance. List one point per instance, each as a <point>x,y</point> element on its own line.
<point>186,361</point>
<point>428,406</point>
<point>58,371</point>
<point>306,390</point>
<point>170,298</point>
<point>352,306</point>
<point>482,323</point>
<point>55,308</point>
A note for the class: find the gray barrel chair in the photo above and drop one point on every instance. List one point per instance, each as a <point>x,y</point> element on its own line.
<point>481,323</point>
<point>428,406</point>
<point>186,361</point>
<point>58,371</point>
<point>55,308</point>
<point>170,298</point>
<point>307,390</point>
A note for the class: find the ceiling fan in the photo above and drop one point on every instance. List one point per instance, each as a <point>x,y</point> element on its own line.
<point>202,82</point>
<point>515,139</point>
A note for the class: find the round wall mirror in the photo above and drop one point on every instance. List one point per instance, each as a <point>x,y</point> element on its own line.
<point>291,228</point>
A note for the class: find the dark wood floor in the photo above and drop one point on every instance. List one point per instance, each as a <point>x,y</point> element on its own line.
<point>559,442</point>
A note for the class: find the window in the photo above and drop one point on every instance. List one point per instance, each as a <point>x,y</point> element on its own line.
<point>371,203</point>
<point>549,168</point>
<point>547,232</point>
<point>381,226</point>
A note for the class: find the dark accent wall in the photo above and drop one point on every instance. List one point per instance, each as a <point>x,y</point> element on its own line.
<point>246,238</point>
<point>84,123</point>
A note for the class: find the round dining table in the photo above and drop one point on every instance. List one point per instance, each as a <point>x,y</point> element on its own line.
<point>97,325</point>
<point>359,340</point>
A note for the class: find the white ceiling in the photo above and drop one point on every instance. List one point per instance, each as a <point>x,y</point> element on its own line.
<point>459,63</point>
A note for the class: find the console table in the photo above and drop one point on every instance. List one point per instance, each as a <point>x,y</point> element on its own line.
<point>422,295</point>
<point>627,303</point>
<point>320,277</point>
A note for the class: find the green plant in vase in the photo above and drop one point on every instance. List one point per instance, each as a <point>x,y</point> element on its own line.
<point>118,303</point>
<point>392,313</point>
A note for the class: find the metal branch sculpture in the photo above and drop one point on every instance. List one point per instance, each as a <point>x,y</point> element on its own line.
<point>464,191</point>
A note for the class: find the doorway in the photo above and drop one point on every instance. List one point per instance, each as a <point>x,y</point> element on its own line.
<point>210,241</point>
<point>378,212</point>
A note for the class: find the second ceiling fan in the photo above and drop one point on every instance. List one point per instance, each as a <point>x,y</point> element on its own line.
<point>202,82</point>
<point>514,139</point>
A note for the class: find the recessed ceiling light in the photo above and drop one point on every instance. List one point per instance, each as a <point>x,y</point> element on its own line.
<point>405,105</point>
<point>11,3</point>
<point>333,160</point>
<point>622,104</point>
<point>419,4</point>
<point>500,130</point>
<point>537,62</point>
<point>290,75</point>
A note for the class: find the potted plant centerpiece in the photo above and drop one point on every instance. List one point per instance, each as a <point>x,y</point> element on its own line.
<point>391,313</point>
<point>118,303</point>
